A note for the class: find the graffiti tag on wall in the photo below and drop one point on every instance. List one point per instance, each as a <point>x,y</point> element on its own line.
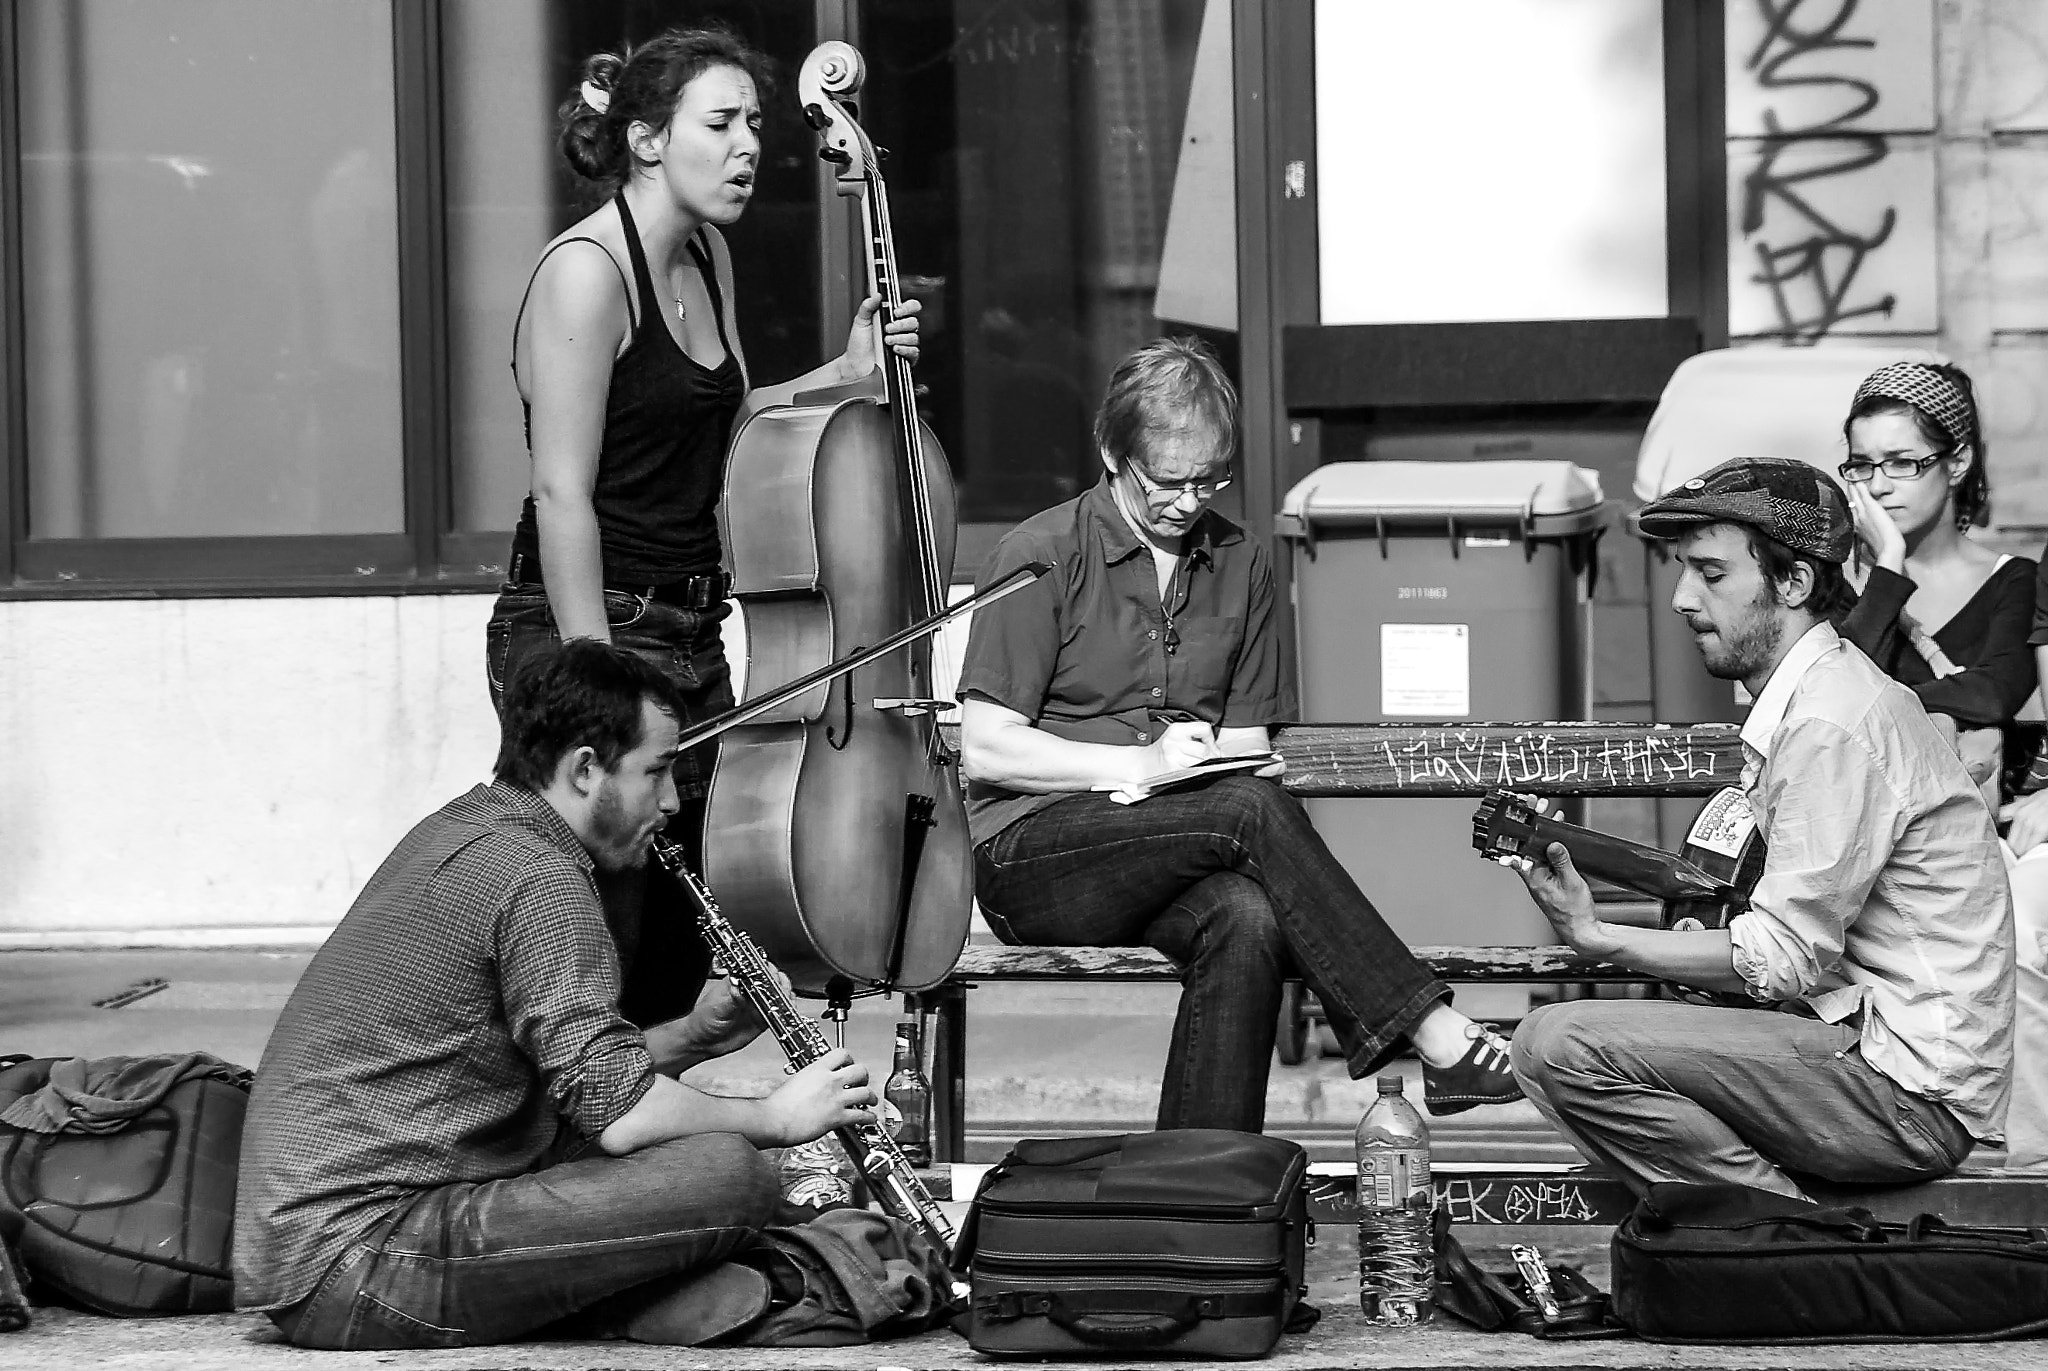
<point>1832,226</point>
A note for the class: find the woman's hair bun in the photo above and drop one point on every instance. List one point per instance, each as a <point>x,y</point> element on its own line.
<point>642,84</point>
<point>591,139</point>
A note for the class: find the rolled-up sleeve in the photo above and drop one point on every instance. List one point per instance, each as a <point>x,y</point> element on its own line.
<point>1262,685</point>
<point>1834,820</point>
<point>558,972</point>
<point>1013,646</point>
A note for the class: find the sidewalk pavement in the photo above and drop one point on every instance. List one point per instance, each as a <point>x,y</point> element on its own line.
<point>1041,1059</point>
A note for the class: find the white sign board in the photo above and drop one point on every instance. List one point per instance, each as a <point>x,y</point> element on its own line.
<point>1425,671</point>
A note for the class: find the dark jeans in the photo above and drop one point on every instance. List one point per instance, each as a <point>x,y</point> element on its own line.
<point>472,1263</point>
<point>655,932</point>
<point>1231,881</point>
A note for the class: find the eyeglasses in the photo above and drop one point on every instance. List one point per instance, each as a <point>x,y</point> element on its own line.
<point>1170,494</point>
<point>1895,468</point>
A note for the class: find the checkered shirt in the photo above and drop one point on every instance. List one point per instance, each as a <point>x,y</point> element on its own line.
<point>461,1025</point>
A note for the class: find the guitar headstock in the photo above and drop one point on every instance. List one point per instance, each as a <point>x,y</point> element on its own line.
<point>1504,825</point>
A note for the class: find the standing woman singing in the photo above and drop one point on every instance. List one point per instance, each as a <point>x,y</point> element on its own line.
<point>628,363</point>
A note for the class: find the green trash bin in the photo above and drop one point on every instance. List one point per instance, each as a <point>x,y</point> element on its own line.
<point>1441,591</point>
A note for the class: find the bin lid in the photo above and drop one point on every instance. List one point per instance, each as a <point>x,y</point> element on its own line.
<point>1546,498</point>
<point>1756,402</point>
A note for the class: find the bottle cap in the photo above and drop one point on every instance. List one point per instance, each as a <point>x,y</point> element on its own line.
<point>1391,1084</point>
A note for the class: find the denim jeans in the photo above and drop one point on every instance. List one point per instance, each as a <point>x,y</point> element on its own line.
<point>1232,882</point>
<point>474,1263</point>
<point>1660,1091</point>
<point>684,643</point>
<point>654,930</point>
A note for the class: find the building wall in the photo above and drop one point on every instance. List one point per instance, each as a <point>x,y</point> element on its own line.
<point>1888,182</point>
<point>199,772</point>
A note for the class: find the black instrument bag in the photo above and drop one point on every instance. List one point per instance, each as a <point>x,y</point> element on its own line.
<point>1728,1264</point>
<point>1186,1243</point>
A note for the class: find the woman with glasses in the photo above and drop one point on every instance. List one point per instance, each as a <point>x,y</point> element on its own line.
<point>1939,612</point>
<point>1952,619</point>
<point>1153,644</point>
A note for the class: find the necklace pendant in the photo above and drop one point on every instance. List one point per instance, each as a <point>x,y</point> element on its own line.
<point>681,313</point>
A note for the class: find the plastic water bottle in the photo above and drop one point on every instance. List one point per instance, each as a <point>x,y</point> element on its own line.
<point>1396,1250</point>
<point>817,1173</point>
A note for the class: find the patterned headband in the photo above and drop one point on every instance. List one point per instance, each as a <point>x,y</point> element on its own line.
<point>1927,390</point>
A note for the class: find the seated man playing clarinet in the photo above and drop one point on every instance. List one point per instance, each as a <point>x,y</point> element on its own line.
<point>1880,930</point>
<point>1151,644</point>
<point>455,1138</point>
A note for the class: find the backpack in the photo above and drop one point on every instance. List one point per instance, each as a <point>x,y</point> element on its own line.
<point>129,1223</point>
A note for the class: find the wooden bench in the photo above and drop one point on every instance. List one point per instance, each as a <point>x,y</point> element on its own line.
<point>1328,761</point>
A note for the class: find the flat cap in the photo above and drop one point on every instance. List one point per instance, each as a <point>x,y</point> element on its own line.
<point>1786,500</point>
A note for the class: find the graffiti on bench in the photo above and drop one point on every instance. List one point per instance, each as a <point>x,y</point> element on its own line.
<point>1545,758</point>
<point>1527,1200</point>
<point>1360,759</point>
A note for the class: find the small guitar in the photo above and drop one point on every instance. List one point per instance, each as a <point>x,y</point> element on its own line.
<point>1704,885</point>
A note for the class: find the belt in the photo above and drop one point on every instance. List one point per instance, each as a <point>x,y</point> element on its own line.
<point>690,592</point>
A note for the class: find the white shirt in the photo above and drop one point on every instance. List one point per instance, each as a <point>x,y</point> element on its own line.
<point>1883,892</point>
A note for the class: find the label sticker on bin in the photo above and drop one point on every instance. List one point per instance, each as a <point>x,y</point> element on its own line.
<point>1426,670</point>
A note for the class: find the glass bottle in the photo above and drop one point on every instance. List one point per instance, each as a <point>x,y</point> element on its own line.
<point>909,1096</point>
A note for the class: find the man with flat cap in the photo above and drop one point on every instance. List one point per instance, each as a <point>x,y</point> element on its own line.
<point>1880,931</point>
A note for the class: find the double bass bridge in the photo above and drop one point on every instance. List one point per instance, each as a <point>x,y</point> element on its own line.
<point>911,708</point>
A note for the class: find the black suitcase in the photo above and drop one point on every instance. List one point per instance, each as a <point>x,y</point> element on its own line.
<point>1187,1243</point>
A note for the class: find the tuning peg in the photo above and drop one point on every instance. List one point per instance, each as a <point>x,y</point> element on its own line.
<point>834,156</point>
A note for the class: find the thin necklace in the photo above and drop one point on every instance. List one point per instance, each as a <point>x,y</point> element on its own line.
<point>1166,605</point>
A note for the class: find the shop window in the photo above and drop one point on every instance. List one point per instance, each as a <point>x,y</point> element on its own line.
<point>209,279</point>
<point>1034,148</point>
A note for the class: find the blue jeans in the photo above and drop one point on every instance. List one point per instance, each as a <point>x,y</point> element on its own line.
<point>473,1263</point>
<point>1659,1091</point>
<point>1232,882</point>
<point>661,958</point>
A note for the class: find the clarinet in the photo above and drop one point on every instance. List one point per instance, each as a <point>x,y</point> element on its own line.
<point>872,1149</point>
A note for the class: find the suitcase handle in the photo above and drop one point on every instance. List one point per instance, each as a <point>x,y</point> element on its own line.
<point>1129,1330</point>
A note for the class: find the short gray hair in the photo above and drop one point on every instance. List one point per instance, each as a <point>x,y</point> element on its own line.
<point>1170,385</point>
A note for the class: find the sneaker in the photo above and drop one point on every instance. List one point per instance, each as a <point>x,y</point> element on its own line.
<point>1481,1076</point>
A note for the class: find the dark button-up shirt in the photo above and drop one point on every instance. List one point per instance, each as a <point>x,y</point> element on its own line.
<point>459,1025</point>
<point>1089,652</point>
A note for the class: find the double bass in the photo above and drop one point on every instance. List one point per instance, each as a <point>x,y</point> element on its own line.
<point>836,832</point>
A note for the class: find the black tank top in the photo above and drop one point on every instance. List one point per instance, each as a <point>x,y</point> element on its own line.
<point>661,462</point>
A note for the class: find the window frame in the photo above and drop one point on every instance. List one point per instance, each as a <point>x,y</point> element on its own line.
<point>427,556</point>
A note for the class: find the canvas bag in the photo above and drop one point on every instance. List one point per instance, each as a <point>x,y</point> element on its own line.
<point>1729,1264</point>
